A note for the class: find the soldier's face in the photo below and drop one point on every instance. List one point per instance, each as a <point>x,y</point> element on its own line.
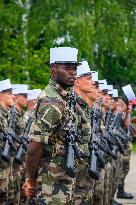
<point>65,74</point>
<point>114,106</point>
<point>106,101</point>
<point>21,100</point>
<point>94,95</point>
<point>31,104</point>
<point>85,84</point>
<point>123,105</point>
<point>88,86</point>
<point>7,98</point>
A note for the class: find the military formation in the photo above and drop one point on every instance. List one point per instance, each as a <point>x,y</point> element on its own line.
<point>67,144</point>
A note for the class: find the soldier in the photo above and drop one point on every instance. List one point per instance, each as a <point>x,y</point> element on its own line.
<point>87,94</point>
<point>32,97</point>
<point>116,164</point>
<point>47,137</point>
<point>100,184</point>
<point>126,110</point>
<point>108,166</point>
<point>6,101</point>
<point>20,93</point>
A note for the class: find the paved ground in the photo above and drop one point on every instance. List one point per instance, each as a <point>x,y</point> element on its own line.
<point>131,181</point>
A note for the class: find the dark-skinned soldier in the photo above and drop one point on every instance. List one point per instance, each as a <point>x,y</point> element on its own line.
<point>48,133</point>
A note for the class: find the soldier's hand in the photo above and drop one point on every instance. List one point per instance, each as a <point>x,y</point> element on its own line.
<point>29,188</point>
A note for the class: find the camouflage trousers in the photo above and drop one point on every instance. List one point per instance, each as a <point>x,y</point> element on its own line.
<point>126,164</point>
<point>108,183</point>
<point>99,189</point>
<point>83,192</point>
<point>15,184</point>
<point>4,186</point>
<point>57,187</point>
<point>117,170</point>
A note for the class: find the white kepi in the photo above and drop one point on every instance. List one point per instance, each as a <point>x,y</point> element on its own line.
<point>115,93</point>
<point>83,69</point>
<point>33,94</point>
<point>95,76</point>
<point>19,89</point>
<point>63,55</point>
<point>128,91</point>
<point>103,85</point>
<point>5,85</point>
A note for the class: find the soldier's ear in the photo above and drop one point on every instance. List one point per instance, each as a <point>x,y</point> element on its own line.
<point>53,70</point>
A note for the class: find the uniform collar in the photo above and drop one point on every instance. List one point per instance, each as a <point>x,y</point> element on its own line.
<point>3,111</point>
<point>82,102</point>
<point>19,113</point>
<point>63,93</point>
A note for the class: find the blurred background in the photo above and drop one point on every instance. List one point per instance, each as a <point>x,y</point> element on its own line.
<point>104,31</point>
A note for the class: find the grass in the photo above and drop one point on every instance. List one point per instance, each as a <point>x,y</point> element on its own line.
<point>134,147</point>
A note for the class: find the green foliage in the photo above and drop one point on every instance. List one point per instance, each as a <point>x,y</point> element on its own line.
<point>103,31</point>
<point>134,147</point>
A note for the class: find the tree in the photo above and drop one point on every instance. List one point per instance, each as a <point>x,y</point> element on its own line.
<point>103,31</point>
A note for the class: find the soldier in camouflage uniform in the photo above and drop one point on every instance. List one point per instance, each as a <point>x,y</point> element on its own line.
<point>108,159</point>
<point>116,164</point>
<point>87,94</point>
<point>20,93</point>
<point>32,97</point>
<point>126,110</point>
<point>47,136</point>
<point>6,101</point>
<point>99,185</point>
<point>108,178</point>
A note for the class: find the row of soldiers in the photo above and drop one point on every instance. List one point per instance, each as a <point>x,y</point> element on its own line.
<point>79,139</point>
<point>16,107</point>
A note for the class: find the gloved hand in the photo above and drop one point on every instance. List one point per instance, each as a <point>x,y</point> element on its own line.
<point>29,188</point>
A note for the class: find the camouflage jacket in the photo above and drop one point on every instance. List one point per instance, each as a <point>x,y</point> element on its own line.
<point>84,123</point>
<point>20,122</point>
<point>3,128</point>
<point>53,116</point>
<point>3,119</point>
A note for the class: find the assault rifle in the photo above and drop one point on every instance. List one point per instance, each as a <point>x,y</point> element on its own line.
<point>95,156</point>
<point>24,141</point>
<point>108,135</point>
<point>10,138</point>
<point>121,140</point>
<point>103,144</point>
<point>71,136</point>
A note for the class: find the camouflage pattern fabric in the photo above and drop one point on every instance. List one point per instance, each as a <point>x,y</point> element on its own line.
<point>117,170</point>
<point>99,189</point>
<point>19,170</point>
<point>17,175</point>
<point>108,178</point>
<point>5,168</point>
<point>107,184</point>
<point>126,164</point>
<point>49,127</point>
<point>83,191</point>
<point>20,122</point>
